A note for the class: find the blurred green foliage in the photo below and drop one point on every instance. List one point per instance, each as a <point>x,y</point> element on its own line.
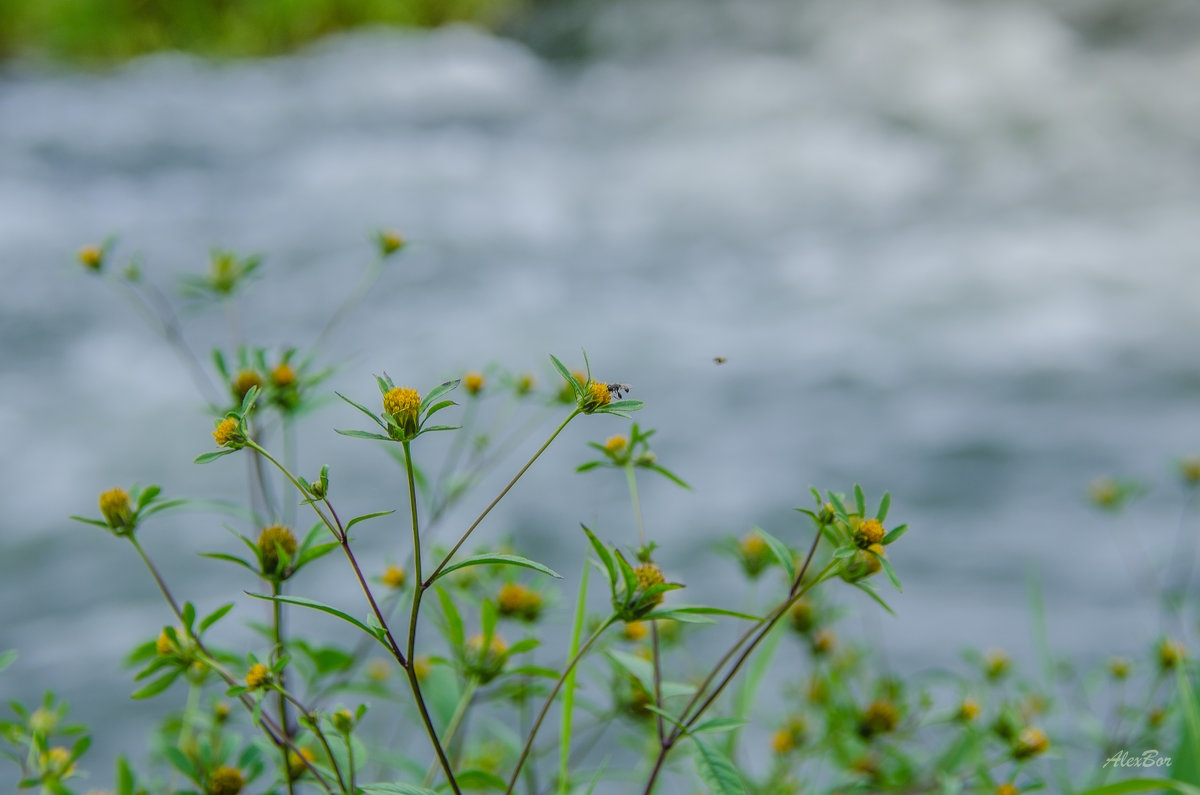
<point>105,31</point>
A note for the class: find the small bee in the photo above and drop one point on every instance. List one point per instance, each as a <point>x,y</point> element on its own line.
<point>617,389</point>
<point>719,360</point>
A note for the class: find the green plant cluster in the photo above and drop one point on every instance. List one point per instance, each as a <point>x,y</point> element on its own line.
<point>458,682</point>
<point>106,31</point>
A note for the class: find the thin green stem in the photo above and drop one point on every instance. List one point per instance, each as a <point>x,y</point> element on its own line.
<point>418,592</point>
<point>424,584</point>
<point>274,733</point>
<point>277,628</point>
<point>752,637</point>
<point>537,723</point>
<point>564,743</point>
<point>335,526</point>
<point>172,331</point>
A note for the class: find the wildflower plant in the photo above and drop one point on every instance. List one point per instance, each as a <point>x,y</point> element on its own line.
<point>455,649</point>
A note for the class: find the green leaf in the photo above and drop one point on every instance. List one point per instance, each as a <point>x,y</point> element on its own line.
<point>204,458</point>
<point>568,702</point>
<point>889,571</point>
<point>669,475</point>
<point>125,780</point>
<point>643,671</point>
<point>146,496</point>
<point>230,558</point>
<point>318,551</point>
<point>433,428</point>
<point>718,725</point>
<point>605,557</point>
<point>869,591</point>
<point>365,517</point>
<point>717,772</point>
<point>781,553</point>
<point>6,658</point>
<point>454,623</point>
<point>158,685</point>
<point>1189,739</point>
<point>215,616</point>
<point>300,601</point>
<point>498,559</point>
<point>688,612</point>
<point>85,520</point>
<point>364,410</point>
<point>884,504</point>
<point>627,574</point>
<point>363,435</point>
<point>189,616</point>
<point>621,405</point>
<point>437,392</point>
<point>443,692</point>
<point>435,409</point>
<point>895,534</point>
<point>160,507</point>
<point>566,374</point>
<point>481,779</point>
<point>590,465</point>
<point>860,501</point>
<point>396,789</point>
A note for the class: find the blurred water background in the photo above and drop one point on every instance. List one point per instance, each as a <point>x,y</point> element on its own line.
<point>948,250</point>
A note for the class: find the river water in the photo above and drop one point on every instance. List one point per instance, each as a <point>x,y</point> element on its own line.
<point>948,251</point>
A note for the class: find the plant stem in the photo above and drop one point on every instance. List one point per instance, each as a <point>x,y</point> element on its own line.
<point>418,592</point>
<point>277,627</point>
<point>754,636</point>
<point>424,584</point>
<point>335,526</point>
<point>537,723</point>
<point>564,746</point>
<point>273,731</point>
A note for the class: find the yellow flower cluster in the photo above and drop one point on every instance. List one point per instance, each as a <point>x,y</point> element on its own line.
<point>227,433</point>
<point>226,781</point>
<point>401,402</point>
<point>517,600</point>
<point>270,542</point>
<point>473,382</point>
<point>394,577</point>
<point>868,532</point>
<point>258,676</point>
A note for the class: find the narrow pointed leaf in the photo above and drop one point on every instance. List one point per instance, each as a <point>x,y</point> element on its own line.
<point>215,616</point>
<point>604,555</point>
<point>895,533</point>
<point>715,769</point>
<point>300,601</point>
<point>365,517</point>
<point>884,504</point>
<point>204,458</point>
<point>781,553</point>
<point>498,559</point>
<point>363,434</point>
<point>363,409</point>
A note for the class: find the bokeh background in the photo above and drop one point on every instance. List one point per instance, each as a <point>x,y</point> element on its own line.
<point>947,249</point>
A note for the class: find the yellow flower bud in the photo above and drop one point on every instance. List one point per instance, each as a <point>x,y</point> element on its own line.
<point>115,507</point>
